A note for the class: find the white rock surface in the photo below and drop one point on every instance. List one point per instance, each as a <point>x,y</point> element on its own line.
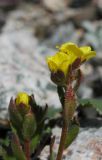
<point>23,65</point>
<point>23,55</point>
<point>87,146</point>
<point>56,5</point>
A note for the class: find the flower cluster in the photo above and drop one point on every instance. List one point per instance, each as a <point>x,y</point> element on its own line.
<point>68,53</point>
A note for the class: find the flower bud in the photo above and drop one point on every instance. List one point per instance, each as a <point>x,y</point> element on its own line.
<point>22,103</point>
<point>29,126</point>
<point>22,98</point>
<point>58,78</point>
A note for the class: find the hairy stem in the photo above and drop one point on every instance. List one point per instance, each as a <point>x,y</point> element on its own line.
<point>62,141</point>
<point>27,149</point>
<point>63,134</point>
<point>68,112</point>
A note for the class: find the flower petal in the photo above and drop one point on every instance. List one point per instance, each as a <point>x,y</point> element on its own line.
<point>22,98</point>
<point>68,53</point>
<point>85,49</point>
<point>71,48</point>
<point>51,64</point>
<point>90,55</point>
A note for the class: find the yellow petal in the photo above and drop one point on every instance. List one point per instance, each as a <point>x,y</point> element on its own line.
<point>71,48</point>
<point>22,98</point>
<point>53,62</point>
<point>87,53</point>
<point>85,49</point>
<point>90,55</point>
<point>64,66</point>
<point>68,53</point>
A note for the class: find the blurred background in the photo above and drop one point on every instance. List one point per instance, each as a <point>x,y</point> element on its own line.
<point>30,30</point>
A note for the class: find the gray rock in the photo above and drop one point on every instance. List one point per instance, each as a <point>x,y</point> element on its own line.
<point>56,5</point>
<point>23,66</point>
<point>23,55</point>
<point>87,145</point>
<point>85,92</point>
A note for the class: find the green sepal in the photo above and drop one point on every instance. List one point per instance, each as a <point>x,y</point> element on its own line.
<point>29,126</point>
<point>58,78</point>
<point>16,148</point>
<point>72,134</point>
<point>39,111</point>
<point>23,109</point>
<point>61,94</point>
<point>15,117</point>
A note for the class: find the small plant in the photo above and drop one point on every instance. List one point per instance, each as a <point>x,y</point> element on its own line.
<point>30,131</point>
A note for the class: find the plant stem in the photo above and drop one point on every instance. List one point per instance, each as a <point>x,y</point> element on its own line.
<point>62,143</point>
<point>68,111</point>
<point>27,149</point>
<point>63,135</point>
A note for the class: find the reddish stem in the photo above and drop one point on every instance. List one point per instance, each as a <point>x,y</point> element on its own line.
<point>27,149</point>
<point>67,116</point>
<point>62,141</point>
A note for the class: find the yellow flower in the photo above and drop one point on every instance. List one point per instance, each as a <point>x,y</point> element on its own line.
<point>22,98</point>
<point>67,54</point>
<point>84,53</point>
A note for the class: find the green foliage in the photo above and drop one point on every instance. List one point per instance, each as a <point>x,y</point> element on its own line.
<point>53,111</point>
<point>39,111</point>
<point>29,126</point>
<point>32,125</point>
<point>34,142</point>
<point>4,154</point>
<point>16,148</point>
<point>72,134</point>
<point>15,117</point>
<point>5,142</point>
<point>96,103</point>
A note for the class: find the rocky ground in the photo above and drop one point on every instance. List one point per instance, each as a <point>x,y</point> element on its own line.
<point>87,146</point>
<point>28,34</point>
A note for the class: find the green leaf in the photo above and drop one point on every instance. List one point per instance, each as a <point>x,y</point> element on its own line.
<point>39,111</point>
<point>34,142</point>
<point>72,134</point>
<point>16,148</point>
<point>52,112</point>
<point>96,103</point>
<point>4,155</point>
<point>15,117</point>
<point>29,126</point>
<point>5,142</point>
